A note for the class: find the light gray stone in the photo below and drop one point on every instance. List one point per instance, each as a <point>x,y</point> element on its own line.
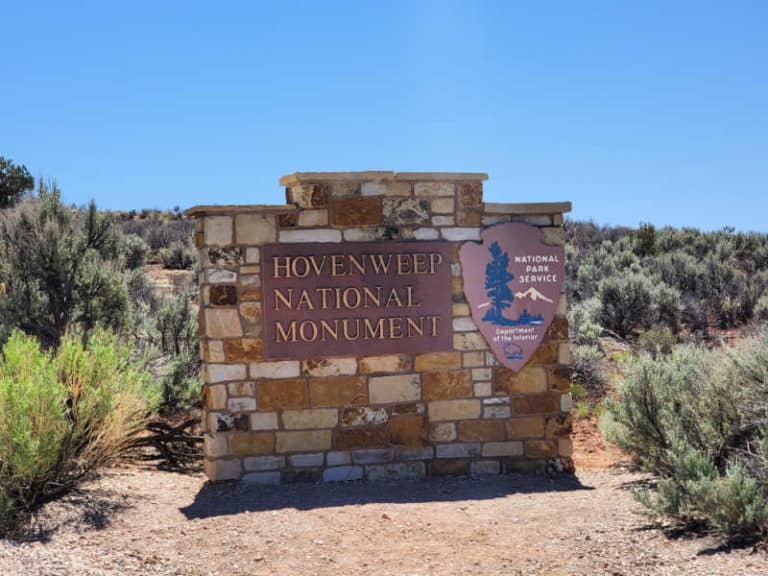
<point>497,412</point>
<point>464,324</point>
<point>279,369</point>
<point>514,448</point>
<point>218,276</point>
<point>264,421</point>
<point>305,460</point>
<point>426,234</point>
<point>241,404</point>
<point>225,372</point>
<point>484,467</point>
<point>263,463</point>
<point>343,473</point>
<point>311,235</point>
<point>396,471</point>
<point>422,453</point>
<point>412,211</point>
<point>372,456</point>
<point>482,389</point>
<point>338,458</point>
<point>458,233</point>
<point>465,450</point>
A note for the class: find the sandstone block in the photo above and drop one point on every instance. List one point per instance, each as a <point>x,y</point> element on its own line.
<point>219,470</point>
<point>255,228</point>
<point>310,235</point>
<point>461,309</point>
<point>560,378</point>
<point>468,341</point>
<point>252,255</point>
<point>225,372</point>
<point>546,353</point>
<point>460,233</point>
<point>251,444</point>
<point>465,324</point>
<point>279,369</point>
<point>222,295</point>
<point>534,219</point>
<point>305,441</point>
<point>484,468</point>
<point>330,367</point>
<point>363,234</point>
<point>338,391</point>
<point>431,189</point>
<point>525,428</point>
<point>554,235</point>
<point>448,468</point>
<point>215,397</point>
<point>314,418</point>
<point>222,323</point>
<point>251,314</point>
<point>264,421</point>
<point>407,430</point>
<point>530,380</point>
<point>215,351</point>
<point>386,189</point>
<point>267,478</point>
<point>538,404</point>
<point>443,432</point>
<point>562,306</point>
<point>473,359</point>
<point>513,448</point>
<point>564,353</point>
<point>385,363</point>
<point>442,205</point>
<point>343,473</point>
<point>313,218</point>
<point>215,445</point>
<point>426,234</point>
<point>482,374</point>
<point>438,361</point>
<point>250,295</point>
<point>364,416</point>
<point>453,410</point>
<point>263,463</point>
<point>565,447</point>
<point>337,458</point>
<point>306,460</point>
<point>465,450</point>
<point>218,276</point>
<point>540,448</point>
<point>443,221</point>
<point>446,385</point>
<point>411,211</point>
<point>218,230</point>
<point>356,211</point>
<point>405,453</point>
<point>250,280</point>
<point>372,456</point>
<point>566,403</point>
<point>241,404</point>
<point>482,389</point>
<point>482,431</point>
<point>559,426</point>
<point>396,471</point>
<point>497,412</point>
<point>244,350</point>
<point>352,438</point>
<point>289,394</point>
<point>390,389</point>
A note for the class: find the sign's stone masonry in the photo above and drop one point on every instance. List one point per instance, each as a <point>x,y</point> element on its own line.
<point>338,342</point>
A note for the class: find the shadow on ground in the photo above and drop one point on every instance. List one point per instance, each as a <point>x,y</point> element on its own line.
<point>223,499</point>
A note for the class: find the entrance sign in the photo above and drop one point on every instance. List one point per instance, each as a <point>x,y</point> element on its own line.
<point>512,282</point>
<point>356,298</point>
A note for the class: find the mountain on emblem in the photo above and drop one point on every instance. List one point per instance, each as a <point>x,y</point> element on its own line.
<point>533,295</point>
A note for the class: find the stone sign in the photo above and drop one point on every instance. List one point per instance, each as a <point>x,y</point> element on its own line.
<point>356,299</point>
<point>512,282</point>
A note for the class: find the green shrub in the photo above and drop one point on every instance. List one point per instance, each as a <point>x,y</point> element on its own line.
<point>696,419</point>
<point>587,364</point>
<point>63,416</point>
<point>134,251</point>
<point>666,305</point>
<point>657,341</point>
<point>582,325</point>
<point>178,256</point>
<point>178,331</point>
<point>625,304</point>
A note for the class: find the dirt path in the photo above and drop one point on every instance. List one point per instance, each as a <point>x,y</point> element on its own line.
<point>133,522</point>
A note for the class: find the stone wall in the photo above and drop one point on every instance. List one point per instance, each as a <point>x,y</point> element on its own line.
<point>376,417</point>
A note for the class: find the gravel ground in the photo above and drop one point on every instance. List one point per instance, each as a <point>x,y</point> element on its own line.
<point>158,523</point>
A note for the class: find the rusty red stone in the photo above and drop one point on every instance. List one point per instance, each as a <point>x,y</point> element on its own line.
<point>512,281</point>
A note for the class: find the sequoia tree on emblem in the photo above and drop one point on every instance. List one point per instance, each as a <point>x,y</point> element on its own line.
<point>512,281</point>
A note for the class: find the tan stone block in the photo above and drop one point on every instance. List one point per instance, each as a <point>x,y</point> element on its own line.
<point>222,323</point>
<point>364,416</point>
<point>457,286</point>
<point>215,446</point>
<point>438,361</point>
<point>461,233</point>
<point>564,353</point>
<point>385,363</point>
<point>443,432</point>
<point>264,421</point>
<point>559,426</point>
<point>562,306</point>
<point>352,438</point>
<point>530,380</point>
<point>518,428</point>
<point>215,351</point>
<point>464,324</point>
<point>446,385</point>
<point>469,194</point>
<point>560,378</point>
<point>316,418</point>
<point>356,211</point>
<point>433,189</point>
<point>503,449</point>
<point>305,441</point>
<point>442,205</point>
<point>481,431</point>
<point>443,221</point>
<point>278,369</point>
<point>255,228</point>
<point>546,353</point>
<point>218,230</point>
<point>386,189</point>
<point>407,430</point>
<point>252,255</point>
<point>469,341</point>
<point>221,295</point>
<point>310,235</point>
<point>282,394</point>
<point>224,372</point>
<point>473,359</point>
<point>250,295</point>
<point>220,470</point>
<point>566,403</point>
<point>554,236</point>
<point>565,447</point>
<point>453,410</point>
<point>391,389</point>
<point>538,404</point>
<point>482,389</point>
<point>251,444</point>
<point>330,367</point>
<point>461,309</point>
<point>241,389</point>
<point>244,349</point>
<point>338,391</point>
<point>251,312</point>
<point>313,218</point>
<point>540,448</point>
<point>558,330</point>
<point>215,397</point>
<point>557,219</point>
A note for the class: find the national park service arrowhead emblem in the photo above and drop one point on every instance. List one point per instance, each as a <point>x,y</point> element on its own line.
<point>512,281</point>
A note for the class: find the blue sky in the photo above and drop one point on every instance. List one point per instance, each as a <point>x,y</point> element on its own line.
<point>635,111</point>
